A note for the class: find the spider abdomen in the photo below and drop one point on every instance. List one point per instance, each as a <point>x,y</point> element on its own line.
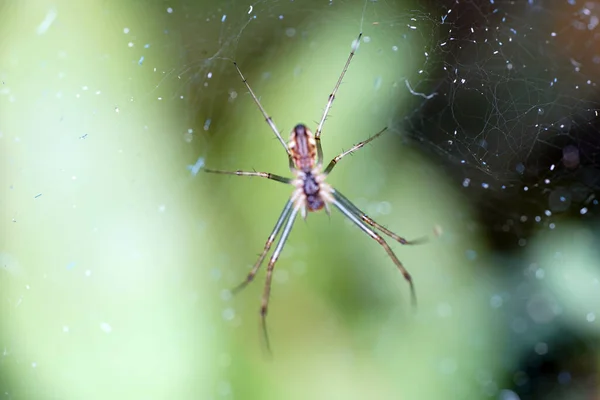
<point>311,189</point>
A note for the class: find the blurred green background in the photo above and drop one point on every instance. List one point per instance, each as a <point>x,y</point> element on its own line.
<point>117,261</point>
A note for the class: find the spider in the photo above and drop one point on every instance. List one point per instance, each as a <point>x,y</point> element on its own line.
<point>311,192</point>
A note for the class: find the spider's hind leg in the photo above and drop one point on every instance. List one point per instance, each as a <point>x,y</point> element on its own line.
<point>278,225</point>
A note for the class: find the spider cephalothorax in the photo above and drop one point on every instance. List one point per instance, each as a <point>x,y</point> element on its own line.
<point>303,148</point>
<point>311,192</point>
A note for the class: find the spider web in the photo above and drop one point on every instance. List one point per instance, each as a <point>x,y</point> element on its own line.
<point>515,106</point>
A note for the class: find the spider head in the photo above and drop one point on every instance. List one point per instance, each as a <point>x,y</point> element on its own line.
<point>303,148</point>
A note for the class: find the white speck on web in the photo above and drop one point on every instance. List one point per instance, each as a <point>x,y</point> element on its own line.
<point>496,301</point>
<point>47,22</point>
<point>591,317</point>
<point>106,328</point>
<point>378,82</point>
<point>540,273</point>
<point>197,166</point>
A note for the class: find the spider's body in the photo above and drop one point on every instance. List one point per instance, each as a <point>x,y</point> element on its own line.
<point>311,192</point>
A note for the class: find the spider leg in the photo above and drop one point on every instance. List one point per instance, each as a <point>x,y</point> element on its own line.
<point>357,146</point>
<point>369,221</point>
<point>246,173</point>
<point>282,218</point>
<point>319,152</point>
<point>265,299</point>
<point>352,216</point>
<point>335,89</point>
<point>264,113</point>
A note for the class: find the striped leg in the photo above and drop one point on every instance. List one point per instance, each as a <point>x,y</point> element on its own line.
<point>264,113</point>
<point>369,221</point>
<point>246,173</point>
<point>282,218</point>
<point>265,299</point>
<point>352,216</point>
<point>357,146</point>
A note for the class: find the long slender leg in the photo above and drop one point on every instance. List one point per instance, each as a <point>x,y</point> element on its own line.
<point>319,152</point>
<point>265,299</point>
<point>356,219</point>
<point>365,218</point>
<point>336,87</point>
<point>246,173</point>
<point>282,218</point>
<point>264,113</point>
<point>357,146</point>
